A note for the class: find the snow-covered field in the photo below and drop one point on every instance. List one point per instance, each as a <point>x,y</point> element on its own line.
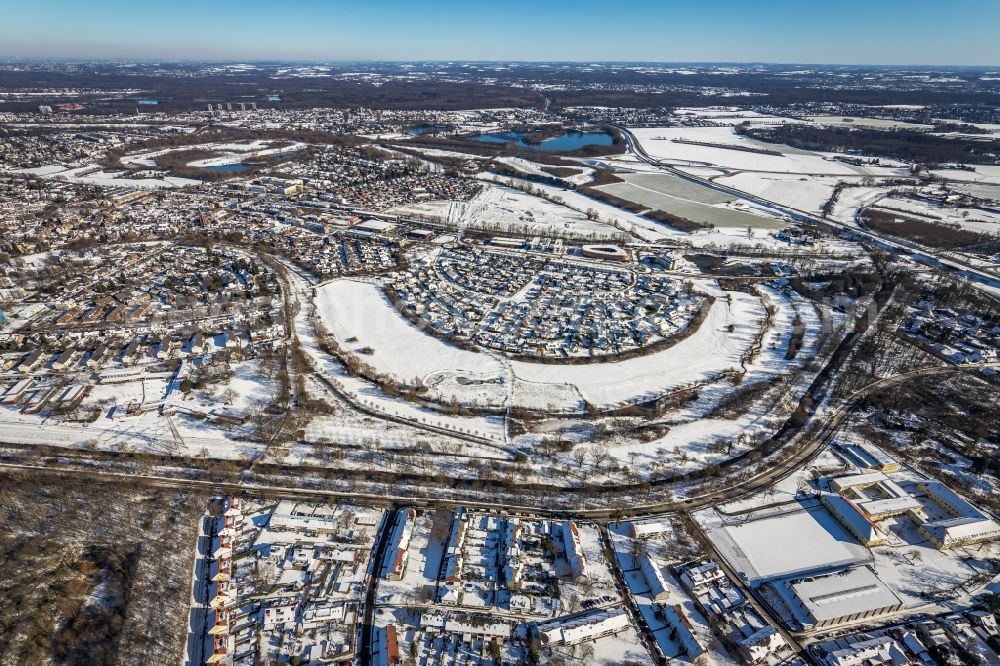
<point>233,153</point>
<point>506,210</point>
<point>796,178</point>
<point>975,219</point>
<point>731,116</point>
<point>238,152</point>
<point>361,391</point>
<point>662,191</point>
<point>644,229</point>
<point>535,169</point>
<point>659,142</point>
<point>984,174</point>
<point>852,199</point>
<point>359,311</point>
<point>729,237</point>
<point>877,123</point>
<point>800,179</point>
<point>806,193</point>
<point>89,176</point>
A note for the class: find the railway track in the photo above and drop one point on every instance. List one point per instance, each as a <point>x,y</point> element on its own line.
<point>804,452</point>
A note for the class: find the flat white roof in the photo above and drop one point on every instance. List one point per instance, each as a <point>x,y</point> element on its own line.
<point>793,543</point>
<point>871,453</point>
<point>651,526</point>
<point>843,594</point>
<point>853,480</point>
<point>953,530</point>
<point>879,507</point>
<point>375,225</point>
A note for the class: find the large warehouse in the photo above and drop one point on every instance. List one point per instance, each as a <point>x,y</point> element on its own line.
<point>838,598</point>
<point>812,540</point>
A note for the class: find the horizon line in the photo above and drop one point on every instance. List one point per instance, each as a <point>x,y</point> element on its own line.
<point>152,59</point>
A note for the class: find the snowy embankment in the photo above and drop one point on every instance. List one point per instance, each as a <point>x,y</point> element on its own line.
<point>707,352</point>
<point>359,312</point>
<point>696,434</point>
<point>365,315</point>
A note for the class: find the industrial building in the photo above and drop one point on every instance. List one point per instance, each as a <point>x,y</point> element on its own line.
<point>967,525</point>
<point>851,517</point>
<point>839,598</point>
<point>861,500</point>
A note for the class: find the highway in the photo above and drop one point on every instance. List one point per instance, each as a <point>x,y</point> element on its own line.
<point>918,253</point>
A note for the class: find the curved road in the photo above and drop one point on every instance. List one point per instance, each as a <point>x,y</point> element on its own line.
<point>804,452</point>
<point>918,253</point>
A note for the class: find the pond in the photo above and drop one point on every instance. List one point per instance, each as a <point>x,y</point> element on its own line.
<point>568,140</point>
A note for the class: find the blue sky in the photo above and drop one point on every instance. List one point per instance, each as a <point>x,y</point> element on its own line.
<point>959,32</point>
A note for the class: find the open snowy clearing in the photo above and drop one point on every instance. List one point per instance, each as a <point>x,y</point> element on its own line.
<point>363,392</point>
<point>877,123</point>
<point>807,193</point>
<point>237,153</point>
<point>852,199</point>
<point>727,117</point>
<point>505,210</point>
<point>984,174</point>
<point>644,229</point>
<point>536,169</point>
<point>694,434</point>
<point>359,311</point>
<point>233,153</point>
<point>148,432</point>
<point>89,176</point>
<point>975,219</point>
<point>697,203</point>
<point>660,142</point>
